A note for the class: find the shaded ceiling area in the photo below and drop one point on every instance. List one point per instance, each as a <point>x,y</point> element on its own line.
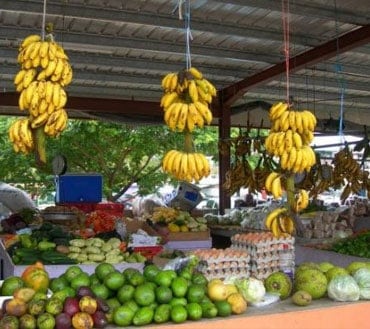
<point>120,50</point>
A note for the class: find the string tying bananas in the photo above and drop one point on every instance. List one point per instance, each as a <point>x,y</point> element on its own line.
<point>186,100</point>
<point>187,166</point>
<point>45,71</point>
<point>279,222</point>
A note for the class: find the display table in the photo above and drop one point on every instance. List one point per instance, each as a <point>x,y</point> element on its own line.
<point>321,314</point>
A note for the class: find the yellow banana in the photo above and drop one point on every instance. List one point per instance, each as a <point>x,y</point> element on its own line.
<point>299,123</point>
<point>195,73</point>
<point>44,62</point>
<point>269,180</point>
<point>52,51</point>
<point>210,87</point>
<point>193,91</point>
<point>277,110</point>
<point>27,52</point>
<point>276,188</point>
<point>288,140</point>
<point>22,101</point>
<point>19,77</point>
<point>28,77</point>
<point>30,39</point>
<point>292,120</point>
<point>62,98</point>
<point>49,70</point>
<point>173,81</point>
<point>164,82</point>
<point>284,121</point>
<point>167,160</point>
<point>204,111</point>
<point>169,98</point>
<point>30,91</point>
<point>176,165</point>
<point>284,160</point>
<point>181,122</point>
<point>51,108</point>
<point>44,49</point>
<point>175,115</point>
<point>61,121</point>
<point>275,228</point>
<point>298,162</point>
<point>273,214</point>
<point>297,140</point>
<point>56,95</point>
<point>35,50</point>
<point>184,165</point>
<point>49,89</point>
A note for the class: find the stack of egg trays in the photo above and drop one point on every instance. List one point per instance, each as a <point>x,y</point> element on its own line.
<point>265,255</point>
<point>225,266</point>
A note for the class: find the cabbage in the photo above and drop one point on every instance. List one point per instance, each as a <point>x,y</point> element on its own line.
<point>252,289</point>
<point>362,277</point>
<point>343,288</point>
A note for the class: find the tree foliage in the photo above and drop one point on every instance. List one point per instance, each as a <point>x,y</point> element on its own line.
<point>123,154</point>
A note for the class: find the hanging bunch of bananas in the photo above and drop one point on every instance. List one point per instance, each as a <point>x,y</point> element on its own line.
<point>45,71</point>
<point>289,138</point>
<point>279,222</point>
<point>186,99</point>
<point>187,166</point>
<point>20,135</point>
<point>347,172</point>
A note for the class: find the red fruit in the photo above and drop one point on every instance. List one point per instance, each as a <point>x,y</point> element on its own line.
<point>100,319</point>
<point>84,291</point>
<point>63,321</point>
<point>71,306</point>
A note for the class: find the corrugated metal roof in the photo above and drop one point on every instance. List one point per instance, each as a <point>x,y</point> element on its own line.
<point>122,49</point>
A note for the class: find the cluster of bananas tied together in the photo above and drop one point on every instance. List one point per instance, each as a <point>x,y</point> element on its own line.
<point>289,138</point>
<point>274,184</point>
<point>45,70</point>
<point>186,100</point>
<point>187,166</point>
<point>279,222</point>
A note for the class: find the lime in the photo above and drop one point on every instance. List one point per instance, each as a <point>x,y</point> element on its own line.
<point>125,293</point>
<point>136,279</point>
<point>58,283</point>
<point>144,296</point>
<point>72,271</point>
<point>209,310</point>
<point>150,285</point>
<point>100,290</point>
<point>132,304</point>
<point>195,293</point>
<point>11,284</point>
<point>194,311</point>
<point>223,308</point>
<point>186,273</point>
<point>162,313</point>
<point>113,303</point>
<point>94,279</point>
<point>199,278</point>
<point>179,314</point>
<point>123,316</point>
<point>153,305</point>
<point>81,279</point>
<point>179,286</point>
<point>163,294</point>
<point>178,301</point>
<point>114,280</point>
<point>150,271</point>
<point>128,272</point>
<point>164,278</point>
<point>103,269</point>
<point>143,316</point>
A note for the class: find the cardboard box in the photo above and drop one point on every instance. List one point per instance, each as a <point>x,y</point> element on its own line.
<point>189,245</point>
<point>7,267</point>
<point>189,236</point>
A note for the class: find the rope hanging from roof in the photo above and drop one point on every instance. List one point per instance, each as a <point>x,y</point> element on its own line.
<point>286,31</point>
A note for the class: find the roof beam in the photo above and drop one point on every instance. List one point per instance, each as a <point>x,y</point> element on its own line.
<point>329,49</point>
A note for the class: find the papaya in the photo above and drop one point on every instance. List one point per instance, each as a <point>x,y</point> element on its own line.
<point>36,277</point>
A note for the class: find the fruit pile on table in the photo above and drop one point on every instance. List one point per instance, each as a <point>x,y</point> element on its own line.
<point>108,296</point>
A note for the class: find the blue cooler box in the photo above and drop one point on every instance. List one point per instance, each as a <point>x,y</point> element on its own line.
<point>79,188</point>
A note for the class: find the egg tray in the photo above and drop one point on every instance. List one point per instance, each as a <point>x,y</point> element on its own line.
<point>235,239</point>
<point>226,273</point>
<point>211,266</point>
<point>254,250</point>
<point>262,273</point>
